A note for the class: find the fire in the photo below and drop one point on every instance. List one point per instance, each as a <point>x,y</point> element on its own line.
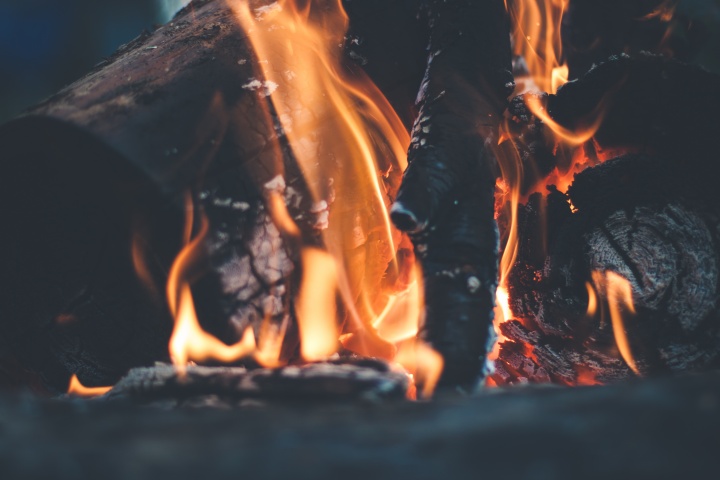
<point>423,363</point>
<point>569,137</point>
<point>592,300</point>
<point>315,306</point>
<point>77,389</point>
<point>536,38</point>
<point>619,297</point>
<point>335,121</point>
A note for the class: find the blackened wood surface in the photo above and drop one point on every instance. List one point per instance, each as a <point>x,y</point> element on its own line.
<point>223,387</point>
<point>664,429</point>
<point>446,199</point>
<point>633,217</point>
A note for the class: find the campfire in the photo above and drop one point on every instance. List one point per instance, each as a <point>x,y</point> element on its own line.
<point>253,201</point>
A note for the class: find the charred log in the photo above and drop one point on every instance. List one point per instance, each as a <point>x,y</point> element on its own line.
<point>631,217</point>
<point>446,199</point>
<point>232,386</point>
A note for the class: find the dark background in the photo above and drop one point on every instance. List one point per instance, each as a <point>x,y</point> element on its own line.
<point>47,44</point>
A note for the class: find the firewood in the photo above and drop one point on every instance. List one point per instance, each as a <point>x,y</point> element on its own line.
<point>317,382</point>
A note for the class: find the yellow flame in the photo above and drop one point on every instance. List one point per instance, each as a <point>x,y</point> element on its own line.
<point>346,138</point>
<point>401,317</point>
<point>315,306</point>
<point>270,343</point>
<point>618,293</point>
<point>536,37</point>
<point>570,137</point>
<point>592,300</point>
<point>423,362</point>
<point>190,342</point>
<point>79,390</point>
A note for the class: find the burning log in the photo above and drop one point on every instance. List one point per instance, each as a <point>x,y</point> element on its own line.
<point>626,279</point>
<point>102,171</point>
<point>192,107</point>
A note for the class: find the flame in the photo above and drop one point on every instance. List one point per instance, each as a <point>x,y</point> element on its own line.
<point>315,305</point>
<point>618,292</point>
<point>665,11</point>
<point>536,37</point>
<point>570,137</point>
<point>335,121</point>
<point>189,342</point>
<point>270,343</point>
<point>401,317</point>
<point>423,363</point>
<point>592,300</point>
<point>77,389</point>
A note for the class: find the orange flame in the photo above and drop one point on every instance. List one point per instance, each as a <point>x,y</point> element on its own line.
<point>570,137</point>
<point>345,137</point>
<point>334,122</point>
<point>592,300</point>
<point>315,305</point>
<point>536,37</point>
<point>619,297</point>
<point>189,342</point>
<point>423,362</point>
<point>77,389</point>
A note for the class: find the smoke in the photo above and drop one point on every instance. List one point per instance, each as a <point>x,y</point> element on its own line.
<point>168,8</point>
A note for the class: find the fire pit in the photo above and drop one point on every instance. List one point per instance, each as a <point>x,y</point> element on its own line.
<point>253,207</point>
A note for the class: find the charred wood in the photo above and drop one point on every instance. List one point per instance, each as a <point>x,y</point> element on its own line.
<point>232,386</point>
<point>446,199</point>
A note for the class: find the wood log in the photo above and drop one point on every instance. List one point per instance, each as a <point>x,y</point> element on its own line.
<point>99,173</point>
<point>651,217</point>
<point>344,381</point>
<point>446,198</point>
<point>633,218</point>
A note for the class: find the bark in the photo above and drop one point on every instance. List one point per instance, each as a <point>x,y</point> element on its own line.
<point>446,199</point>
<point>162,385</point>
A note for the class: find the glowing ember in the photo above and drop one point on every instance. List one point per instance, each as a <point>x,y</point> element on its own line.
<point>77,389</point>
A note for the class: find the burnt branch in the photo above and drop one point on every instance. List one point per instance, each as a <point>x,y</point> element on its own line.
<point>446,198</point>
